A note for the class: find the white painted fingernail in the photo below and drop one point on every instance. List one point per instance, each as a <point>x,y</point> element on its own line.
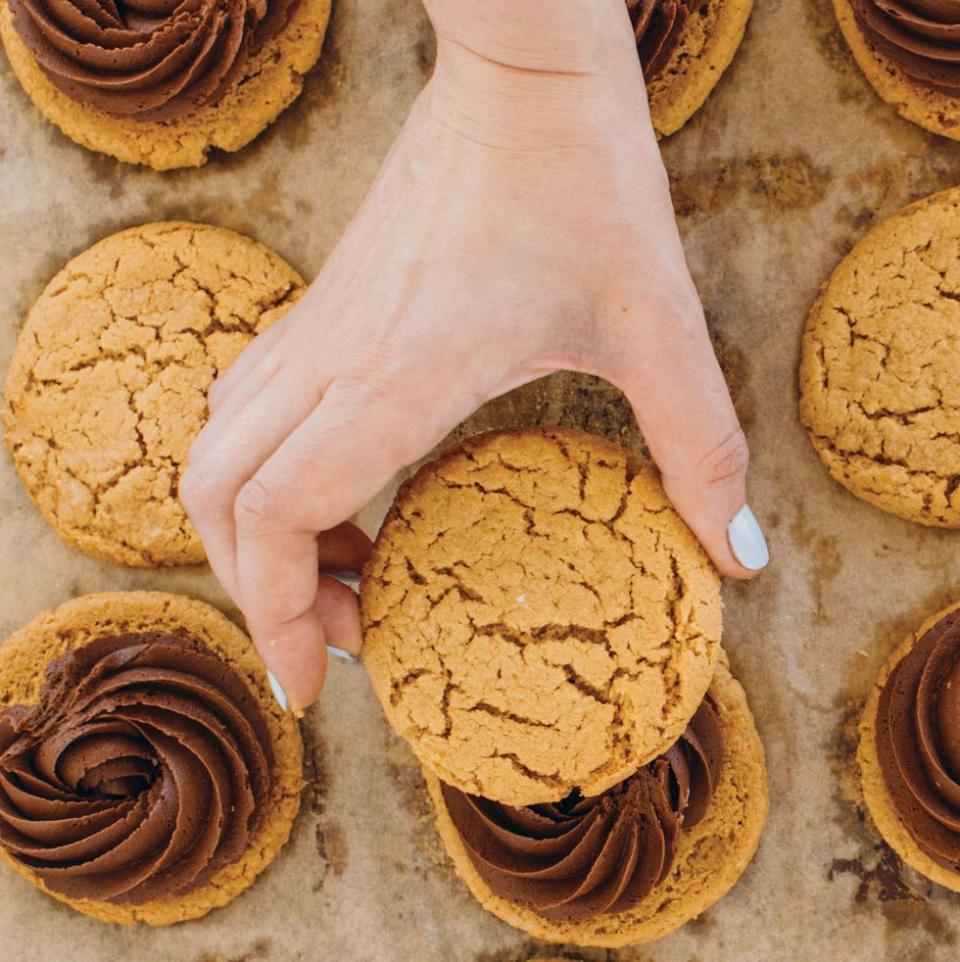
<point>349,578</point>
<point>747,542</point>
<point>340,653</point>
<point>278,692</point>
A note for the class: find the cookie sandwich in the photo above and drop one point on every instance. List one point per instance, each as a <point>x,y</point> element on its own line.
<point>146,772</point>
<point>880,368</point>
<point>108,384</point>
<point>909,753</point>
<point>544,630</point>
<point>684,46</point>
<point>162,84</point>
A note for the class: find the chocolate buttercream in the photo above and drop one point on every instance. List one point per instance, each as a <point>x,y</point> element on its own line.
<point>918,741</point>
<point>658,26</point>
<point>142,770</point>
<point>922,37</point>
<point>583,857</point>
<point>151,59</point>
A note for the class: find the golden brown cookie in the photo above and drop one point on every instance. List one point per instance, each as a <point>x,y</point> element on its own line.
<point>875,792</point>
<point>709,859</point>
<point>108,384</point>
<point>24,658</point>
<point>269,82</point>
<point>707,45</point>
<point>880,372</point>
<point>933,109</point>
<point>537,616</point>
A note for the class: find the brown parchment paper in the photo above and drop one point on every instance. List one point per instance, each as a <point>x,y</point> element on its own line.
<point>786,166</point>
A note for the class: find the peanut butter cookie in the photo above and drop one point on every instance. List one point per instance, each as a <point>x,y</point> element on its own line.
<point>157,758</point>
<point>259,86</point>
<point>707,858</point>
<point>108,383</point>
<point>910,61</point>
<point>685,46</point>
<point>537,616</point>
<point>909,754</point>
<point>880,372</point>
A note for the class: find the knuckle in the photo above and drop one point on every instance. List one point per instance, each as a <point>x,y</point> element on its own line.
<point>257,507</point>
<point>727,461</point>
<point>197,489</point>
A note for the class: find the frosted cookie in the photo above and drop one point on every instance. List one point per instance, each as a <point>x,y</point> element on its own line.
<point>909,753</point>
<point>537,616</point>
<point>164,87</point>
<point>910,53</point>
<point>634,863</point>
<point>685,46</point>
<point>146,772</point>
<point>108,383</point>
<point>880,372</point>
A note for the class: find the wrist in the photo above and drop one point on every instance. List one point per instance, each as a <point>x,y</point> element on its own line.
<point>573,36</point>
<point>536,72</point>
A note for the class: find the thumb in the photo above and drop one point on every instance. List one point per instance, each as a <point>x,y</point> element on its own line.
<point>682,405</point>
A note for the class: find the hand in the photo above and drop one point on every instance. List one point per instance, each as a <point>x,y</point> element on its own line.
<point>520,225</point>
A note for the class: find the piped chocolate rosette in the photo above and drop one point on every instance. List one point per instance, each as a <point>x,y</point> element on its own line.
<point>917,736</point>
<point>581,858</point>
<point>155,60</point>
<point>658,26</point>
<point>921,37</point>
<point>142,770</point>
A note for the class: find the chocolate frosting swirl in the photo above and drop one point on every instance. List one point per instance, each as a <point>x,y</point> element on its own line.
<point>151,59</point>
<point>142,770</point>
<point>584,857</point>
<point>922,37</point>
<point>918,741</point>
<point>658,26</point>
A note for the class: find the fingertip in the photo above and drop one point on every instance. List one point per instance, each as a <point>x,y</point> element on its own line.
<point>296,661</point>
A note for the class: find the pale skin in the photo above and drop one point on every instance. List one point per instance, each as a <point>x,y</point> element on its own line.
<point>521,224</point>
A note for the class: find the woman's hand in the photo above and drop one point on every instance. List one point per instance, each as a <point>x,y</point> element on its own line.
<point>520,225</point>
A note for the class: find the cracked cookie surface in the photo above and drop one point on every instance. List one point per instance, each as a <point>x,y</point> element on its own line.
<point>24,657</point>
<point>269,82</point>
<point>108,383</point>
<point>710,857</point>
<point>880,372</point>
<point>537,617</point>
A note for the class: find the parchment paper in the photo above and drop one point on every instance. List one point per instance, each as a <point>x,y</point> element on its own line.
<point>786,166</point>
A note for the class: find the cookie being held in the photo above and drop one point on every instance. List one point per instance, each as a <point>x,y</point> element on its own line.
<point>146,772</point>
<point>537,617</point>
<point>108,384</point>
<point>880,371</point>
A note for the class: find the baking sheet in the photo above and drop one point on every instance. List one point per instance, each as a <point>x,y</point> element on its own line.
<point>790,161</point>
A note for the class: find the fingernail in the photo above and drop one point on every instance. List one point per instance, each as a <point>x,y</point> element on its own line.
<point>278,691</point>
<point>340,653</point>
<point>349,578</point>
<point>747,542</point>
